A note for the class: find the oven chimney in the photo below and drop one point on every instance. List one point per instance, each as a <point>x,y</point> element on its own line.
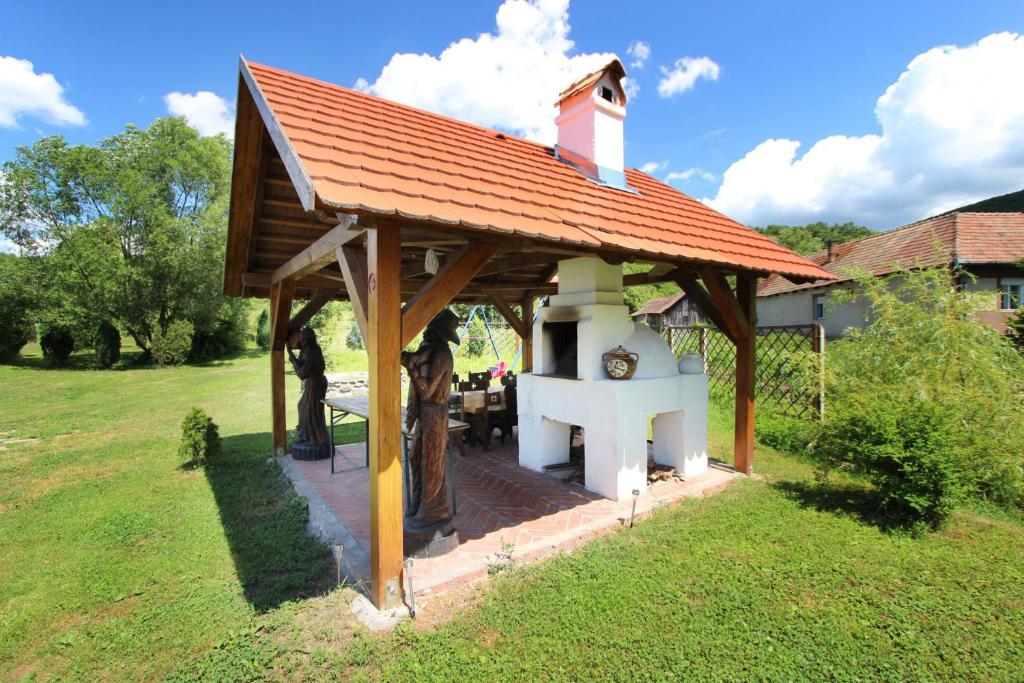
<point>590,122</point>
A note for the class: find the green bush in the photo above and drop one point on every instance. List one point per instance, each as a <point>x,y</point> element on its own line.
<point>926,400</point>
<point>785,434</point>
<point>911,454</point>
<point>354,340</point>
<point>222,336</point>
<point>262,333</point>
<point>200,440</point>
<point>107,345</point>
<point>172,347</point>
<point>57,343</point>
<point>1015,330</point>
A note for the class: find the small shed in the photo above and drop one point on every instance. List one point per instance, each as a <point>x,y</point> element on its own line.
<point>337,194</point>
<point>674,310</point>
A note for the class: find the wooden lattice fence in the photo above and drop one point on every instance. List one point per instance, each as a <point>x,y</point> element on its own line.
<point>780,349</point>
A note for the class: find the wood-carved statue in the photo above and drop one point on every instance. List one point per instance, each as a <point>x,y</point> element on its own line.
<point>312,440</point>
<point>428,525</point>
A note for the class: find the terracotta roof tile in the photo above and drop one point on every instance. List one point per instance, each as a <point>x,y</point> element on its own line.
<point>372,155</point>
<point>659,305</point>
<point>964,237</point>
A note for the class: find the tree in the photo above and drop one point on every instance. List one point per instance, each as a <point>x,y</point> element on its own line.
<point>131,230</point>
<point>15,324</point>
<point>814,237</point>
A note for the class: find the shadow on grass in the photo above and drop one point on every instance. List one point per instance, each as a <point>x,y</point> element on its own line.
<point>133,359</point>
<point>265,525</point>
<point>857,500</point>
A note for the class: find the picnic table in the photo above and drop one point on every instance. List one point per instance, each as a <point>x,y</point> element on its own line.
<point>359,406</point>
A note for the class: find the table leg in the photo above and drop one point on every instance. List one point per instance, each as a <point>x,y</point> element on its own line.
<point>449,462</point>
<point>332,439</point>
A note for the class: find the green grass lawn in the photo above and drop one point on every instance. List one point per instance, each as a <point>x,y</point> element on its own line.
<point>116,563</point>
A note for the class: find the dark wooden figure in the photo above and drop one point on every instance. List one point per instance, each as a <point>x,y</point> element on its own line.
<point>312,439</point>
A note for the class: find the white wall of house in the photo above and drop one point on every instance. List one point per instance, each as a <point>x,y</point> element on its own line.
<point>798,308</point>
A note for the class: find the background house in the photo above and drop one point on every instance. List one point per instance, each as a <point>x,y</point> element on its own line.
<point>673,310</point>
<point>985,239</point>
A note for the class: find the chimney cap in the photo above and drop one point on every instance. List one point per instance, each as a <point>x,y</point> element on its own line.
<point>614,69</point>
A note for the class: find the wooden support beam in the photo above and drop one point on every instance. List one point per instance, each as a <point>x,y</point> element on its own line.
<point>458,269</point>
<point>699,296</point>
<point>725,301</point>
<point>746,360</point>
<point>352,260</point>
<point>312,307</point>
<point>280,307</point>
<point>514,321</point>
<point>527,306</point>
<point>317,255</point>
<point>384,346</point>
<point>262,280</point>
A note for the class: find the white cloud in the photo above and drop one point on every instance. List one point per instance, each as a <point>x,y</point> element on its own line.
<point>23,92</point>
<point>952,132</point>
<point>639,51</point>
<point>509,79</point>
<point>205,111</point>
<point>652,166</point>
<point>685,73</point>
<point>689,174</point>
<point>631,88</point>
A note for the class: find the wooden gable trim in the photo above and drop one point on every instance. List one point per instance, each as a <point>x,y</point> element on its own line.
<point>304,186</point>
<point>246,170</point>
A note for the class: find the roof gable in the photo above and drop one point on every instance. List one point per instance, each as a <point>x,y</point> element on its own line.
<point>351,152</point>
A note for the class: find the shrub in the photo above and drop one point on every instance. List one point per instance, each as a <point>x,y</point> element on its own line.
<point>107,345</point>
<point>57,343</point>
<point>222,336</point>
<point>200,440</point>
<point>354,340</point>
<point>925,399</point>
<point>262,333</point>
<point>172,347</point>
<point>911,455</point>
<point>785,434</point>
<point>1015,330</point>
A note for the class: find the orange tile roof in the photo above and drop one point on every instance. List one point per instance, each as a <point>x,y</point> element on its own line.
<point>366,154</point>
<point>956,237</point>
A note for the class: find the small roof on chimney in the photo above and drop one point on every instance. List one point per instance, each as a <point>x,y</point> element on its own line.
<point>617,73</point>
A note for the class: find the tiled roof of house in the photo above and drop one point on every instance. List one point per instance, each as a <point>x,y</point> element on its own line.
<point>355,152</point>
<point>659,305</point>
<point>956,237</point>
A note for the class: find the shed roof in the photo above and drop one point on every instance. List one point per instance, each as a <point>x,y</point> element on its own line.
<point>348,151</point>
<point>961,237</point>
<point>660,304</point>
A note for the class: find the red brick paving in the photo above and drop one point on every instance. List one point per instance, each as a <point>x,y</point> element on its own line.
<point>498,502</point>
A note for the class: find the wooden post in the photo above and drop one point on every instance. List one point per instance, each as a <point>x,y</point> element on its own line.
<point>818,345</point>
<point>527,312</point>
<point>384,346</point>
<point>703,346</point>
<point>746,351</point>
<point>281,295</point>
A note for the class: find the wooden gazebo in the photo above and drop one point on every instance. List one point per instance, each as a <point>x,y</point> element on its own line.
<point>337,194</point>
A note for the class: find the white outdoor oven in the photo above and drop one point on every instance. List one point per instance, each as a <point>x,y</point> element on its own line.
<point>569,387</point>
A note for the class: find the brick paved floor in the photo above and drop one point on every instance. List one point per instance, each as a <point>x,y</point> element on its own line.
<point>497,502</point>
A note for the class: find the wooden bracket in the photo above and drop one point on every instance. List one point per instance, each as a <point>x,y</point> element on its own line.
<point>521,328</point>
<point>726,303</point>
<point>458,269</point>
<point>699,296</point>
<point>352,260</point>
<point>319,299</point>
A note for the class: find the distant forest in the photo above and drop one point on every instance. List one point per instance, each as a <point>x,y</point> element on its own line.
<point>807,239</point>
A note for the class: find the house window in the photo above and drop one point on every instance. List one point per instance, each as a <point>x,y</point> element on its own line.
<point>606,93</point>
<point>819,307</point>
<point>1011,295</point>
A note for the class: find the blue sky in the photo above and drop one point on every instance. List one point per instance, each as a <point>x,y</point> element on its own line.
<point>762,78</point>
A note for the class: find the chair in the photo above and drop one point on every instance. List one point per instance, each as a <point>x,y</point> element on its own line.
<point>475,416</point>
<point>507,418</point>
<point>480,380</point>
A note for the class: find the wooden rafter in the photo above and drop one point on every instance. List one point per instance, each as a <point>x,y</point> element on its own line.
<point>458,269</point>
<point>317,255</point>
